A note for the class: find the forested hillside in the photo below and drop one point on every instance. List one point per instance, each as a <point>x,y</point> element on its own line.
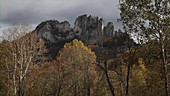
<point>90,58</point>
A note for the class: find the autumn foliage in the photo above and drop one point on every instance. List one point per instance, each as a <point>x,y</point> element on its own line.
<point>75,71</point>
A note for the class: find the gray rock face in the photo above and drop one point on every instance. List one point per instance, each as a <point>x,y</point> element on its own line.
<point>55,35</point>
<point>90,30</point>
<point>54,31</point>
<point>109,30</point>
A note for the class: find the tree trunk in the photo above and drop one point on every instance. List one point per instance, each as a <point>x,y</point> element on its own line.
<point>14,76</point>
<point>130,63</point>
<point>108,80</point>
<point>127,79</point>
<point>128,72</point>
<point>109,83</point>
<point>8,76</point>
<point>165,69</point>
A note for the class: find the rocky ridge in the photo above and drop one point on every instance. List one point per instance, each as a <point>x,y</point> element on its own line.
<point>89,29</point>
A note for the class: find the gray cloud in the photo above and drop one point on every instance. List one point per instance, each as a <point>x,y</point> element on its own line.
<point>36,11</point>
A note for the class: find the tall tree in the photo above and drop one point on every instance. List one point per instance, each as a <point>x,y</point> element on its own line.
<point>78,62</point>
<point>149,20</point>
<point>22,51</point>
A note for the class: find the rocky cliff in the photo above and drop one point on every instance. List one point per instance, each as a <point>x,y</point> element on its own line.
<point>89,29</point>
<point>55,35</point>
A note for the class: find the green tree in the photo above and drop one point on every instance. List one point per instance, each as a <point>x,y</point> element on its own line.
<point>149,20</point>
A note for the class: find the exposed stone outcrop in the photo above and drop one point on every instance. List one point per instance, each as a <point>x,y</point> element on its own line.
<point>55,35</point>
<point>89,29</point>
<point>54,31</point>
<point>109,30</point>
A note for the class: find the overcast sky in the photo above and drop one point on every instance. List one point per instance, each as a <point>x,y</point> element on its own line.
<point>35,11</point>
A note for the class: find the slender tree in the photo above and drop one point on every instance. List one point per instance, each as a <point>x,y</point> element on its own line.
<point>149,20</point>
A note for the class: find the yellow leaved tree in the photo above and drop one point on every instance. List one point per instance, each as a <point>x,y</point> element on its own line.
<point>78,62</point>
